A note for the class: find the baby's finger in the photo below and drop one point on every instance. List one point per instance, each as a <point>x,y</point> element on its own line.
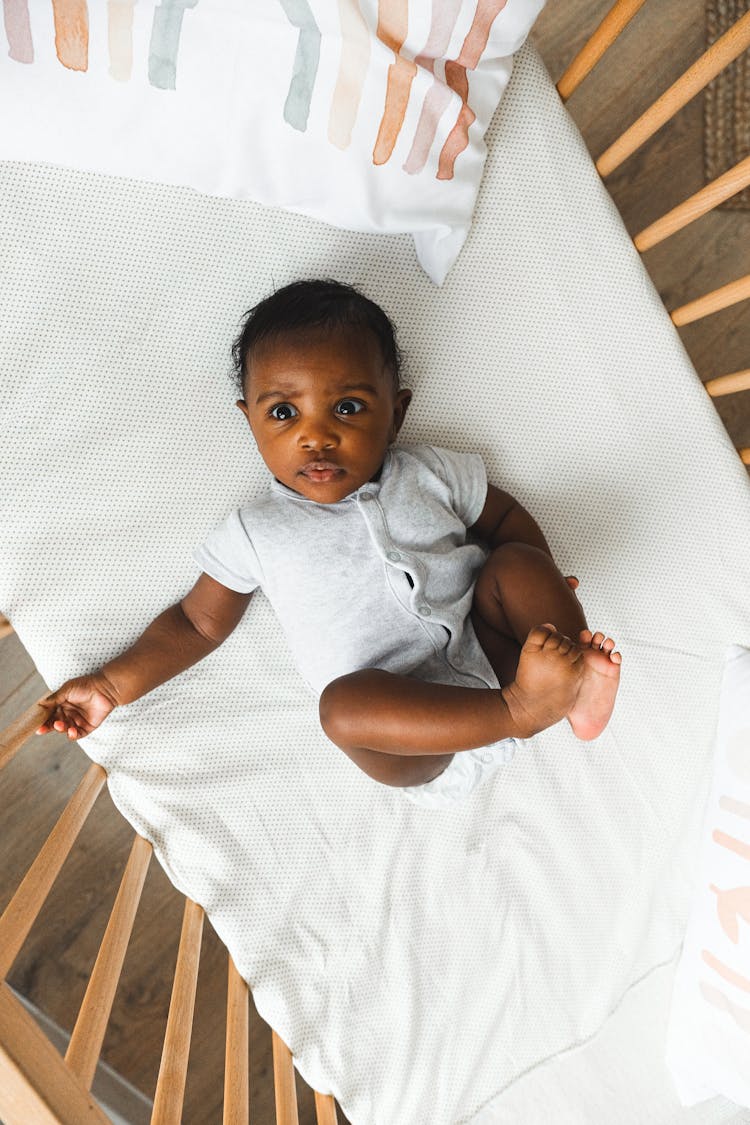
<point>78,724</point>
<point>46,726</point>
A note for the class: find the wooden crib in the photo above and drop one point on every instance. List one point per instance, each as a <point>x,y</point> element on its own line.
<point>36,1083</point>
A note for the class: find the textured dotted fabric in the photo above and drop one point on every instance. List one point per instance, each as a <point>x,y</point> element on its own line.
<point>417,961</point>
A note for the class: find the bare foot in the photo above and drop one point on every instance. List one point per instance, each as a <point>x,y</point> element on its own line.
<point>548,680</point>
<point>601,679</point>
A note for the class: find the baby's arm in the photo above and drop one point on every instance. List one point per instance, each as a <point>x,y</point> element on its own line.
<point>504,520</point>
<point>178,638</point>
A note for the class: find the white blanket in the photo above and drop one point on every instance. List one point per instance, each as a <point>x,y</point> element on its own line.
<point>419,963</point>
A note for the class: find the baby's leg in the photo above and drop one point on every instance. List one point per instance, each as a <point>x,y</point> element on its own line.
<point>518,587</point>
<point>404,731</point>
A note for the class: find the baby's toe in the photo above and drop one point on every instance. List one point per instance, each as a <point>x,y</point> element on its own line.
<point>585,636</point>
<point>597,639</point>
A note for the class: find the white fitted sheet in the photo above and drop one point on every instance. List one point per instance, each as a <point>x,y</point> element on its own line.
<point>421,964</point>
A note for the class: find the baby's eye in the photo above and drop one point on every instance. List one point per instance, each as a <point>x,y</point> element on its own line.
<point>285,411</point>
<point>349,406</point>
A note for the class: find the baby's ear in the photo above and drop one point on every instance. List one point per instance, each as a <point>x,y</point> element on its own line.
<point>400,406</point>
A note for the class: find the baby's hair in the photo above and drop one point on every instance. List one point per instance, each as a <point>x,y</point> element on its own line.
<point>313,304</point>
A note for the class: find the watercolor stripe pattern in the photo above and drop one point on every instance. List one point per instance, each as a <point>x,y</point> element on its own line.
<point>71,23</point>
<point>438,97</point>
<point>732,903</point>
<point>72,33</point>
<point>393,22</point>
<point>450,76</point>
<point>458,80</point>
<point>165,42</point>
<point>18,31</point>
<point>392,29</point>
<point>355,59</point>
<point>306,60</point>
<point>120,38</point>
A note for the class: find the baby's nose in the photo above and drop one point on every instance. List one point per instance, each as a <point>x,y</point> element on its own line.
<point>318,437</point>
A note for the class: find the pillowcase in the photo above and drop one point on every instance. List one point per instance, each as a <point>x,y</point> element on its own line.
<point>367,114</point>
<point>708,1035</point>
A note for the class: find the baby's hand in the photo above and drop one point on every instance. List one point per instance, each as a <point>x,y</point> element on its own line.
<point>78,706</point>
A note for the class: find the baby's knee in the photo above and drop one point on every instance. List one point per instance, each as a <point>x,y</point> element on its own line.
<point>505,564</point>
<point>332,711</point>
<point>341,703</point>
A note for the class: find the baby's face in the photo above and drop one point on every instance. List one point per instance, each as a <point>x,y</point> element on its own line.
<point>323,411</point>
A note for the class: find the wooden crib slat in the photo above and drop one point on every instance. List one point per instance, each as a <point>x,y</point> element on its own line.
<point>617,18</point>
<point>728,384</point>
<point>718,55</point>
<point>21,729</point>
<point>325,1109</point>
<point>23,908</point>
<point>283,1081</point>
<point>712,302</point>
<point>35,1084</point>
<point>237,1058</point>
<point>88,1034</point>
<point>724,186</point>
<point>170,1085</point>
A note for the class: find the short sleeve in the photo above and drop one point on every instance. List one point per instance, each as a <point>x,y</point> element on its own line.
<point>228,556</point>
<point>466,477</point>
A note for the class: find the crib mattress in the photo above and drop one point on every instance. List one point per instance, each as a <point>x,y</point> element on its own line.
<point>423,965</point>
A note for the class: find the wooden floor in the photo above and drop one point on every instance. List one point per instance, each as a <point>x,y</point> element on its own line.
<point>54,967</point>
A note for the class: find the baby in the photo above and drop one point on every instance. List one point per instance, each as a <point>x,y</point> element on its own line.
<point>409,589</point>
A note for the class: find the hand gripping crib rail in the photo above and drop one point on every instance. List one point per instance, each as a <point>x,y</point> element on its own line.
<point>36,1083</point>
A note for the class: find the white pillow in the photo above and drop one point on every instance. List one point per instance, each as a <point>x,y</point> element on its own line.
<point>302,104</point>
<point>708,1036</point>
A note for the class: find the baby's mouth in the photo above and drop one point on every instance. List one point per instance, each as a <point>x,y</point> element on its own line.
<point>321,471</point>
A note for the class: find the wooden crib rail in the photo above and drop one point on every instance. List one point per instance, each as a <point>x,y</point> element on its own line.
<point>710,196</point>
<point>20,730</point>
<point>88,1034</point>
<point>23,909</point>
<point>170,1085</point>
<point>720,54</point>
<point>615,21</point>
<point>36,1084</point>
<point>717,299</point>
<point>728,384</point>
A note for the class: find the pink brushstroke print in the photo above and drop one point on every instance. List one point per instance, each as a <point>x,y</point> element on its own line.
<point>18,31</point>
<point>471,52</point>
<point>444,16</point>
